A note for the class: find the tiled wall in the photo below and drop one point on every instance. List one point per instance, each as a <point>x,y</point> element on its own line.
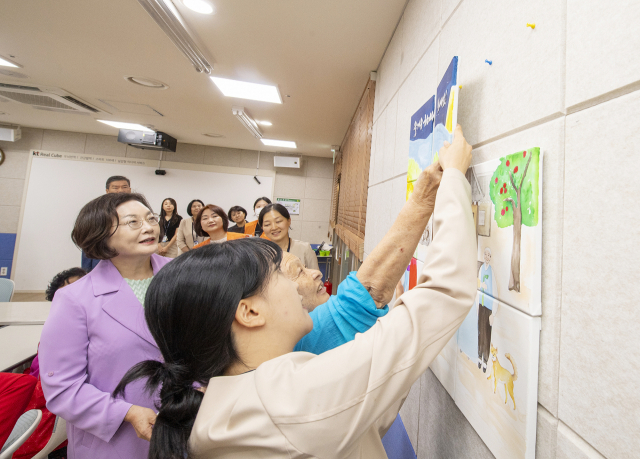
<point>311,183</point>
<point>571,87</point>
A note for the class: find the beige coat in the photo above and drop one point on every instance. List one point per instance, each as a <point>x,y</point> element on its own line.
<point>306,254</point>
<point>185,235</point>
<point>339,404</point>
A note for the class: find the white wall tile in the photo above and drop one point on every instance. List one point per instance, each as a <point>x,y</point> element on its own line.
<point>389,77</point>
<point>447,8</point>
<point>186,153</point>
<point>602,47</point>
<point>295,232</point>
<point>318,188</point>
<point>68,142</point>
<point>104,145</point>
<point>378,167</point>
<point>398,197</point>
<point>15,164</point>
<point>444,431</point>
<point>314,232</point>
<point>599,396</point>
<point>317,210</point>
<point>319,167</point>
<point>31,140</point>
<point>415,91</point>
<point>550,138</point>
<point>421,25</point>
<point>372,157</point>
<point>249,159</point>
<point>289,186</point>
<point>388,152</point>
<point>571,446</point>
<point>221,156</point>
<point>410,414</point>
<point>139,153</point>
<point>525,82</point>
<point>9,216</point>
<point>11,191</point>
<point>369,230</point>
<point>546,435</point>
<point>266,161</point>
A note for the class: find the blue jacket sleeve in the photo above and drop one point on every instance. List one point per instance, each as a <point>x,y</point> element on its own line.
<point>337,321</point>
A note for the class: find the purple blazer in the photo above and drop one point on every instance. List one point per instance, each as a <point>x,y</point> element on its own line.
<point>94,334</point>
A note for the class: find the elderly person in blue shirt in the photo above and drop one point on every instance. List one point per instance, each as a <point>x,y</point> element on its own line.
<point>363,296</point>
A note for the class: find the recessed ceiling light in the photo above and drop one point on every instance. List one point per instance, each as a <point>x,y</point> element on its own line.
<point>215,136</point>
<point>279,143</point>
<point>265,123</point>
<point>199,6</point>
<point>244,90</point>
<point>7,63</point>
<point>132,126</point>
<point>146,82</point>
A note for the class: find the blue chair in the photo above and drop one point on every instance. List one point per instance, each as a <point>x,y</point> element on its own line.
<point>6,290</point>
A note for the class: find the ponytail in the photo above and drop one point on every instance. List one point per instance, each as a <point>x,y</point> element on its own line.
<point>177,410</point>
<point>199,292</point>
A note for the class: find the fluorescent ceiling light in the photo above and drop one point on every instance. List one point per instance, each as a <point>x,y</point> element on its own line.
<point>265,123</point>
<point>166,15</point>
<point>132,126</point>
<point>244,90</point>
<point>279,143</point>
<point>247,121</point>
<point>199,6</point>
<point>7,63</point>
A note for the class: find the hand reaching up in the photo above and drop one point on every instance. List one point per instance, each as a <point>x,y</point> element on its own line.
<point>456,155</point>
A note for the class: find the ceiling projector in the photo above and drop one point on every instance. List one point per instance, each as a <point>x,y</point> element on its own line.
<point>148,140</point>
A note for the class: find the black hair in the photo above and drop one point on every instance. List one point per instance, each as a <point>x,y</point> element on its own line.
<point>197,224</point>
<point>264,198</point>
<point>282,210</point>
<point>174,217</point>
<point>190,204</point>
<point>61,279</point>
<point>237,209</point>
<point>117,178</point>
<point>199,291</point>
<point>94,225</point>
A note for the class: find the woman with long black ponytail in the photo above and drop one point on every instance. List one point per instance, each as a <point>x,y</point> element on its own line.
<point>226,320</point>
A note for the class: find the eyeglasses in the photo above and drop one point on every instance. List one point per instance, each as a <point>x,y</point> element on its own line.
<point>135,224</point>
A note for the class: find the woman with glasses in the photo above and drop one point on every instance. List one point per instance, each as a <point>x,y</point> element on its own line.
<point>96,331</point>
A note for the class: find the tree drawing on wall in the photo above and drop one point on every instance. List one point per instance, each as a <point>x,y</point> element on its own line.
<point>514,190</point>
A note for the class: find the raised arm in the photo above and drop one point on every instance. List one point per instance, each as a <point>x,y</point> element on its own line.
<point>383,267</point>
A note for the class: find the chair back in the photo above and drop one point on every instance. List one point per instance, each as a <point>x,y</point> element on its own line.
<point>23,429</point>
<point>6,290</point>
<point>58,436</point>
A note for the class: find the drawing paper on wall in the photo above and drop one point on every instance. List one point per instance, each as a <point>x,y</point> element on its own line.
<point>431,126</point>
<point>513,243</point>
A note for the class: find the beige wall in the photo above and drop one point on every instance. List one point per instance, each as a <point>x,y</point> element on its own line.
<point>311,183</point>
<point>571,87</point>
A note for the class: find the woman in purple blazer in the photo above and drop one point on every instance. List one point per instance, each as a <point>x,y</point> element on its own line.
<point>96,331</point>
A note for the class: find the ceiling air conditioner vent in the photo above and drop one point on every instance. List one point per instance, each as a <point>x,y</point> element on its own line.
<point>16,86</point>
<point>46,98</point>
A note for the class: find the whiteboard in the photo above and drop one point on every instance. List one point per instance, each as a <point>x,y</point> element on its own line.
<point>60,184</point>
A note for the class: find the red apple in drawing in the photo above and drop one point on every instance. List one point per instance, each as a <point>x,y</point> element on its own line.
<point>496,179</point>
<point>500,190</point>
<point>507,208</point>
<point>508,163</point>
<point>504,185</point>
<point>515,170</point>
<point>502,212</point>
<point>524,154</point>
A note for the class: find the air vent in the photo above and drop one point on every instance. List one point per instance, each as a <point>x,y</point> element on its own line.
<point>46,98</point>
<point>82,104</point>
<point>15,86</point>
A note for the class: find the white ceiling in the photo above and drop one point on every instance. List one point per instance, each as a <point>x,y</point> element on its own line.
<point>319,53</point>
